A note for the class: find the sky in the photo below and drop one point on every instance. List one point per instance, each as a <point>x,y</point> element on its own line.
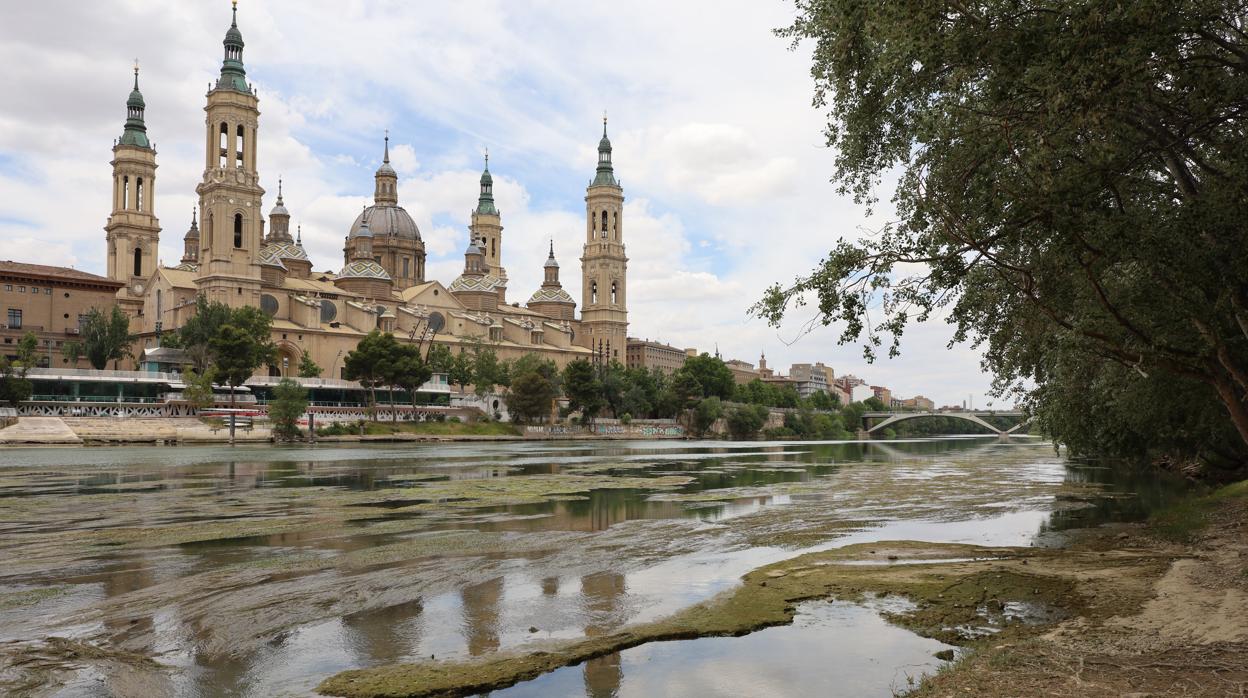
<point>720,153</point>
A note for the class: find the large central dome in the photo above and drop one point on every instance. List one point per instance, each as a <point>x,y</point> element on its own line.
<point>386,220</point>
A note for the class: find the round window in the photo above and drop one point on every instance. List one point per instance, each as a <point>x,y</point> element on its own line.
<point>329,311</point>
<point>268,304</point>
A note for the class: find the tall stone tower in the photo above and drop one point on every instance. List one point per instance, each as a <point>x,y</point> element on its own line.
<point>132,231</point>
<point>487,228</point>
<point>229,196</point>
<point>604,267</point>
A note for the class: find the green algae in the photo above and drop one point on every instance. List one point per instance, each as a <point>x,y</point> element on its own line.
<point>29,597</point>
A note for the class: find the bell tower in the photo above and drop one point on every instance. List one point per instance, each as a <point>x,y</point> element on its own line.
<point>604,266</point>
<point>232,224</point>
<point>133,232</point>
<point>487,227</point>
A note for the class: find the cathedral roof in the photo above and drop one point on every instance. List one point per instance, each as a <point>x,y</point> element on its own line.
<point>268,256</point>
<point>363,269</point>
<point>387,220</point>
<point>386,170</point>
<point>285,250</point>
<point>487,282</point>
<point>135,132</point>
<point>551,295</point>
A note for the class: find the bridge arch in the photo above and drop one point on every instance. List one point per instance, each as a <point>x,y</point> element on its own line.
<point>891,418</point>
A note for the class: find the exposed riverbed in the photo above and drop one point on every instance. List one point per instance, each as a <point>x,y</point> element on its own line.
<point>265,570</point>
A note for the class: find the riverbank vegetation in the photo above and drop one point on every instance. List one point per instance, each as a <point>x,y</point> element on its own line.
<point>1070,195</point>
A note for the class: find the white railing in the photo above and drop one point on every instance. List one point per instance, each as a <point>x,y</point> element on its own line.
<point>103,374</point>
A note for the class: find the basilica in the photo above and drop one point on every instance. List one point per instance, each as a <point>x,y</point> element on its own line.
<point>232,256</point>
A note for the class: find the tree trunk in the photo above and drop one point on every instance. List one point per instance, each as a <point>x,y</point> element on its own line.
<point>1234,406</point>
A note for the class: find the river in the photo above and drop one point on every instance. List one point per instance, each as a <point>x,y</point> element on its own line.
<point>263,570</point>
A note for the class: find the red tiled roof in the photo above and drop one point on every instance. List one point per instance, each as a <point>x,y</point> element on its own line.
<point>45,271</point>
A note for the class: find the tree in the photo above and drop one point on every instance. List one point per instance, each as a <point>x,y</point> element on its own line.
<point>290,402</point>
<point>308,367</point>
<point>712,375</point>
<point>72,351</point>
<point>822,400</point>
<point>410,371</point>
<point>460,372</point>
<point>1075,204</point>
<point>440,358</point>
<point>535,382</point>
<point>195,336</point>
<point>744,421</point>
<point>685,389</point>
<point>106,337</point>
<point>15,388</point>
<point>369,363</point>
<point>198,391</point>
<point>530,396</point>
<point>486,371</point>
<point>238,351</point>
<point>874,404</point>
<point>704,415</point>
<point>583,389</point>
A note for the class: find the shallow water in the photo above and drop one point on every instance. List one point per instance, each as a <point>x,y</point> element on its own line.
<point>262,570</point>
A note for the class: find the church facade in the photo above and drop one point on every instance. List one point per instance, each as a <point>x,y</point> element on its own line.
<point>231,254</point>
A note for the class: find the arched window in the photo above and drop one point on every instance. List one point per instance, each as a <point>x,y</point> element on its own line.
<point>593,292</point>
<point>138,261</point>
<point>604,224</point>
<point>159,304</point>
<point>493,251</point>
<point>238,145</point>
<point>615,224</point>
<point>125,191</point>
<point>210,230</point>
<point>613,291</point>
<point>224,145</point>
<point>138,193</point>
<point>238,230</point>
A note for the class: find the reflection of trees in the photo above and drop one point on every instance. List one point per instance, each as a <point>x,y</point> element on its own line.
<point>602,594</point>
<point>480,611</point>
<point>383,635</point>
<point>1128,493</point>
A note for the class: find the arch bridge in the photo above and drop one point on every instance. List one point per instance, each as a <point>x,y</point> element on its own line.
<point>973,416</point>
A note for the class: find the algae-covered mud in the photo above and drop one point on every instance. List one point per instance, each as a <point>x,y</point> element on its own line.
<point>281,571</point>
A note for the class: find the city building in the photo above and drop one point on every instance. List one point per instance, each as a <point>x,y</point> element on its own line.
<point>742,371</point>
<point>860,392</point>
<point>884,395</point>
<point>810,378</point>
<point>763,371</point>
<point>643,353</point>
<point>51,302</point>
<point>917,403</point>
<point>230,257</point>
